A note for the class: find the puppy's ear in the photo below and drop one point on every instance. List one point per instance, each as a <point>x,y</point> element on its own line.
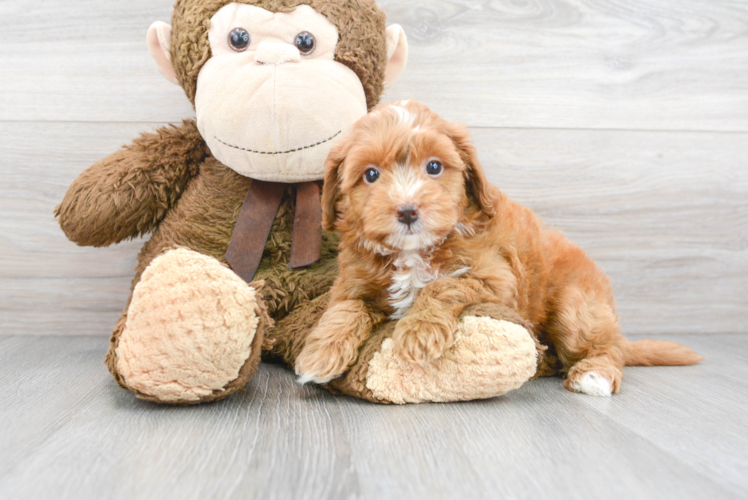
<point>476,183</point>
<point>331,187</point>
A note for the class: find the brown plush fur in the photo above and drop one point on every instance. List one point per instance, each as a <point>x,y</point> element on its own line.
<point>128,193</point>
<point>361,24</point>
<point>169,184</point>
<point>477,245</point>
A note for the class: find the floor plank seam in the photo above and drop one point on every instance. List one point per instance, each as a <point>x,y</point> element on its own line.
<point>733,488</point>
<point>37,446</point>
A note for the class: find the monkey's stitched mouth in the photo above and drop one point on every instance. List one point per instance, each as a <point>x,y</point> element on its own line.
<point>279,152</point>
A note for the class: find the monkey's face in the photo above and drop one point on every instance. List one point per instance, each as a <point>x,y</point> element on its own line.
<point>271,101</point>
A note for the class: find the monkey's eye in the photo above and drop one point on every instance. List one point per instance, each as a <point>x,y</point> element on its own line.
<point>239,39</point>
<point>305,42</point>
<point>434,168</point>
<point>371,176</point>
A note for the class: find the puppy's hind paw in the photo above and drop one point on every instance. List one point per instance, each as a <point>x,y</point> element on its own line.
<point>590,383</point>
<point>318,376</point>
<point>307,378</point>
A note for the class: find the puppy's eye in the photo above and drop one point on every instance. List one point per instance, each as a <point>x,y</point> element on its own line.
<point>434,168</point>
<point>239,39</point>
<point>371,176</point>
<point>305,42</point>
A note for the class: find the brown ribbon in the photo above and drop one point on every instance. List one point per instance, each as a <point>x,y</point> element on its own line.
<point>255,221</point>
<point>306,243</point>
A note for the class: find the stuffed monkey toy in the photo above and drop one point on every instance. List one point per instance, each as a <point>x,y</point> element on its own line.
<point>237,265</point>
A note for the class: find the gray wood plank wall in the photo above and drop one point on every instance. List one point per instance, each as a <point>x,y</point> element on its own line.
<point>622,122</point>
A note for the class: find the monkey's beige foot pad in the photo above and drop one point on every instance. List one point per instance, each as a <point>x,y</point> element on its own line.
<point>189,331</point>
<point>489,358</point>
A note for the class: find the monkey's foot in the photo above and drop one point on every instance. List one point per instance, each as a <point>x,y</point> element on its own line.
<point>193,331</point>
<point>489,358</point>
<point>494,352</point>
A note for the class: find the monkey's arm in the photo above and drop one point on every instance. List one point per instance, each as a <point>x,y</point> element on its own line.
<point>128,193</point>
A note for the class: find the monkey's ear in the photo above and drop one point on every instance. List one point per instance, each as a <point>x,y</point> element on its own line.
<point>397,54</point>
<point>331,187</point>
<point>159,43</point>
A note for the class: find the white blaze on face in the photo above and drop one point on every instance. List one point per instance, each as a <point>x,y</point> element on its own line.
<point>406,185</point>
<point>270,112</point>
<point>404,116</point>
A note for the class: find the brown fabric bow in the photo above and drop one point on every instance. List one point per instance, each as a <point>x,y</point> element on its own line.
<point>255,221</point>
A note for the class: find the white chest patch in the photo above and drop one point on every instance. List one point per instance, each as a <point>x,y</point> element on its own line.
<point>412,273</point>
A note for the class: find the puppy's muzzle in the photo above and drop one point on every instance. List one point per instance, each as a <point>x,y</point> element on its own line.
<point>407,214</point>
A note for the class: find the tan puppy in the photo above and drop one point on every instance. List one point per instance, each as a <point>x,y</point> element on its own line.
<point>424,235</point>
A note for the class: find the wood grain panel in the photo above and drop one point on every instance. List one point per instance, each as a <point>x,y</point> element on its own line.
<point>631,64</point>
<point>621,64</point>
<point>665,214</point>
<point>84,60</point>
<point>45,383</point>
<point>716,391</point>
<point>48,284</point>
<point>673,433</point>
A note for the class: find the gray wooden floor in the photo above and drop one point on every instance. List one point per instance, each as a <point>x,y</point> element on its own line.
<point>69,432</point>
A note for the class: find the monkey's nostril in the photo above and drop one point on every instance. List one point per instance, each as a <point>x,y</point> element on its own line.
<point>407,214</point>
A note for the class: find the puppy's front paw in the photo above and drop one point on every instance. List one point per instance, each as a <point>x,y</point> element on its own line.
<point>421,341</point>
<point>322,360</point>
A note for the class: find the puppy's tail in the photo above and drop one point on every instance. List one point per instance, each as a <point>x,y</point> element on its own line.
<point>659,353</point>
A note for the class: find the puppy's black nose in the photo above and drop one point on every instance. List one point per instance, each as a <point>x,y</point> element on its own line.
<point>407,214</point>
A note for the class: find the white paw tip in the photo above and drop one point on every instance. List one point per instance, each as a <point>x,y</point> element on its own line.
<point>593,384</point>
<point>305,379</point>
<point>313,378</point>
